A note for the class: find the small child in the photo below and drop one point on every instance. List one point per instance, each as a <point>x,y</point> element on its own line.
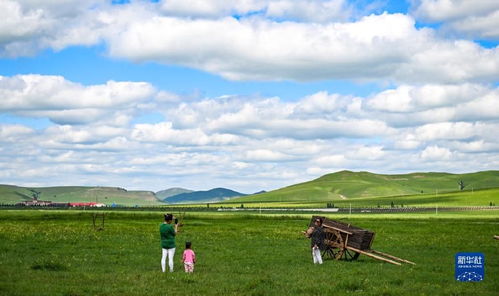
<point>189,258</point>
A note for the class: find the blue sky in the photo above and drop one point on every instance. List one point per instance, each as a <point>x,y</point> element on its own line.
<point>249,95</point>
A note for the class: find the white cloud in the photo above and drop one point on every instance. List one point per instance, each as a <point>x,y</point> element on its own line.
<point>17,24</point>
<point>310,10</point>
<point>441,10</point>
<point>30,26</point>
<point>435,153</point>
<point>295,147</point>
<point>483,107</point>
<point>435,110</point>
<point>457,131</point>
<point>322,103</point>
<point>384,46</point>
<point>337,160</point>
<point>165,133</point>
<point>262,118</point>
<point>484,27</point>
<point>183,161</point>
<point>35,92</point>
<point>478,18</point>
<point>266,155</point>
<point>312,42</point>
<point>210,8</point>
<point>366,153</point>
<point>83,134</point>
<point>409,105</point>
<point>314,10</point>
<point>65,102</point>
<point>474,146</point>
<point>446,130</point>
<point>250,142</point>
<point>241,165</point>
<point>167,97</point>
<point>392,100</point>
<point>318,171</point>
<point>407,142</point>
<point>14,132</point>
<point>408,99</point>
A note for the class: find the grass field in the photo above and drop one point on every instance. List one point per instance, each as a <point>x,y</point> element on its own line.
<point>59,253</point>
<point>450,199</point>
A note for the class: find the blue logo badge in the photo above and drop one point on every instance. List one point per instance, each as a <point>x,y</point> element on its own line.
<point>469,267</point>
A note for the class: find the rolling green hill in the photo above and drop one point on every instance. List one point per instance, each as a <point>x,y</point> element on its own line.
<point>10,194</point>
<point>163,194</point>
<point>482,197</point>
<point>347,185</point>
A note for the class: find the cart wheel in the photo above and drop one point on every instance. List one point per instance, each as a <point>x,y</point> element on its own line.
<point>349,255</point>
<point>334,245</point>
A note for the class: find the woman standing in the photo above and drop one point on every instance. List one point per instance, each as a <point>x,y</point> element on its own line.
<point>167,232</point>
<point>317,240</point>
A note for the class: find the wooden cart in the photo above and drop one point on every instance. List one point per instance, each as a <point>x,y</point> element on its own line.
<point>347,242</point>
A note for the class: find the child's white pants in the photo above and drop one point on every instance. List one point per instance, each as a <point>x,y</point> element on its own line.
<point>170,253</point>
<point>316,254</point>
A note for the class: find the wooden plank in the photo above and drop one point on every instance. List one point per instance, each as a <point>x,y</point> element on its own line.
<point>336,228</point>
<point>374,256</point>
<point>392,257</point>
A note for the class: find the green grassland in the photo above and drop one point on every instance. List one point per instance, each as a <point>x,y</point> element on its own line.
<point>108,195</point>
<point>450,199</point>
<point>482,197</point>
<point>352,185</point>
<point>59,253</point>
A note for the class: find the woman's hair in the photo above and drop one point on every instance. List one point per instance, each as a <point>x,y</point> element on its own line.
<point>188,245</point>
<point>168,217</point>
<point>319,220</point>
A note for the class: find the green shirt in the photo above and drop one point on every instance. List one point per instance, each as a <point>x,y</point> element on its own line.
<point>167,233</point>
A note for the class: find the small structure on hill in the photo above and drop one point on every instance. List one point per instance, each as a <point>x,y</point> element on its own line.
<point>347,242</point>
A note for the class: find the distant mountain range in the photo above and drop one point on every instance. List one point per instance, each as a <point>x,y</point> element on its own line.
<point>213,195</point>
<point>331,187</point>
<point>11,194</point>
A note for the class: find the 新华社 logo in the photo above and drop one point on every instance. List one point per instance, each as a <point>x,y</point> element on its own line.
<point>469,267</point>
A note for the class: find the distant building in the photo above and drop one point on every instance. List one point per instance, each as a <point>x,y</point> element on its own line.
<point>35,202</point>
<point>48,203</point>
<point>86,204</point>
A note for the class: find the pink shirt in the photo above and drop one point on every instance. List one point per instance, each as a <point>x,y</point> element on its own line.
<point>189,256</point>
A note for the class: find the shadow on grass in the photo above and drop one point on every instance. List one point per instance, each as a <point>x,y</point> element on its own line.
<point>49,266</point>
